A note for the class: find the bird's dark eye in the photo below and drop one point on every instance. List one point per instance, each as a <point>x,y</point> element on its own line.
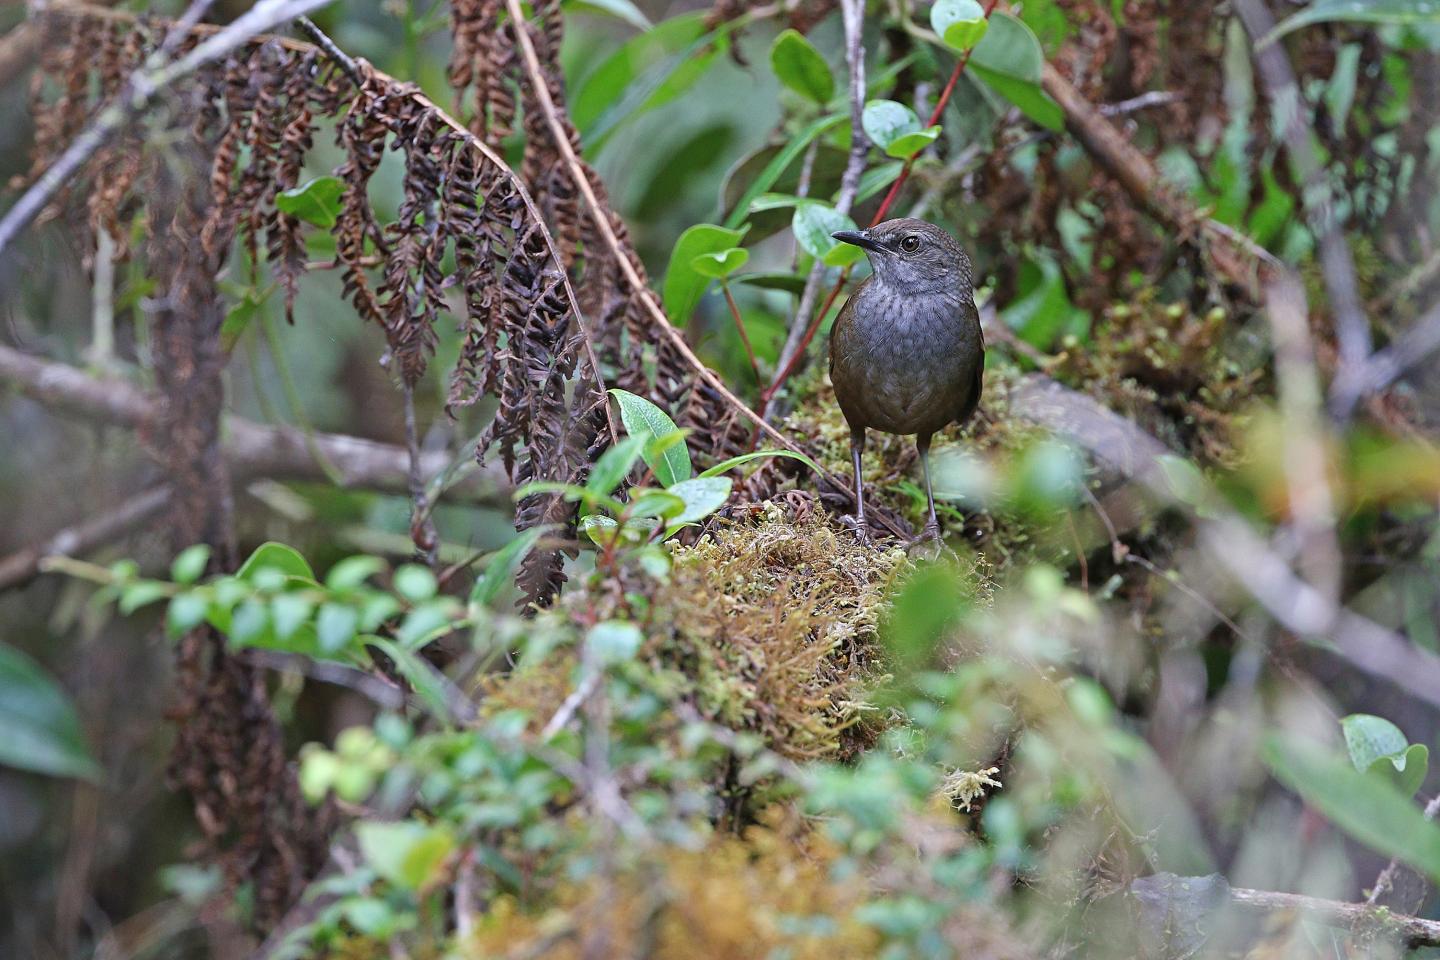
<point>910,244</point>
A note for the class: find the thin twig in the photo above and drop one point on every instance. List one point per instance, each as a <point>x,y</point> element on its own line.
<point>740,329</point>
<point>852,12</point>
<point>1352,327</point>
<point>1414,931</point>
<point>85,536</point>
<point>422,525</point>
<point>1386,366</point>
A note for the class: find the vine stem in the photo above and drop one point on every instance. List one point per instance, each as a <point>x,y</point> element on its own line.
<point>788,368</point>
<point>740,329</point>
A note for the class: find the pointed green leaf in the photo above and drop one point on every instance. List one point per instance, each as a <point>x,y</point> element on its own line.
<point>813,225</point>
<point>316,202</point>
<point>1358,11</point>
<point>800,67</point>
<point>684,285</point>
<point>702,496</point>
<point>39,729</point>
<point>734,462</point>
<point>275,556</point>
<point>669,460</point>
<point>500,571</point>
<point>720,265</point>
<point>1010,61</point>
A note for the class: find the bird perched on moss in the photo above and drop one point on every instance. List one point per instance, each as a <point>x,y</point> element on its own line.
<point>906,354</point>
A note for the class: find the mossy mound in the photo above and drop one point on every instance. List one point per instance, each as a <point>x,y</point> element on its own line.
<point>775,620</point>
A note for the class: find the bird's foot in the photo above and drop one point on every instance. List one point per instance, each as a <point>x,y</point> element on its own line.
<point>930,545</point>
<point>859,528</point>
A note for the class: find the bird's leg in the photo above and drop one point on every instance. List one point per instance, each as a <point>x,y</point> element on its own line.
<point>932,526</point>
<point>857,447</point>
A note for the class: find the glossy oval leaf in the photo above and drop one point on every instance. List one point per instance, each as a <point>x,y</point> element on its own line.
<point>39,729</point>
<point>657,503</point>
<point>669,460</point>
<point>599,528</point>
<point>813,225</point>
<point>799,66</point>
<point>960,23</point>
<point>1368,738</point>
<point>720,265</point>
<point>1009,60</point>
<point>316,202</point>
<point>684,285</point>
<point>702,496</point>
<point>275,556</point>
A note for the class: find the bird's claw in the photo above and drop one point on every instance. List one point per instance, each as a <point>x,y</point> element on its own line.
<point>859,528</point>
<point>930,545</point>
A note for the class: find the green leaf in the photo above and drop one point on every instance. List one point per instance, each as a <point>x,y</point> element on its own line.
<point>1379,747</point>
<point>778,164</point>
<point>614,641</point>
<point>190,564</point>
<point>657,503</point>
<point>141,594</point>
<point>1370,809</point>
<point>702,496</point>
<point>734,462</point>
<point>335,626</point>
<point>289,612</point>
<point>406,853</point>
<point>614,464</point>
<point>1009,60</point>
<point>415,582</point>
<point>427,682</point>
<point>599,528</point>
<point>720,265</point>
<point>894,128</point>
<point>275,556</point>
<point>426,623</point>
<point>800,67</point>
<point>500,571</point>
<point>645,72</point>
<point>788,282</point>
<point>39,730</point>
<point>1357,11</point>
<point>351,572</point>
<point>1369,738</point>
<point>185,612</point>
<point>670,461</point>
<point>814,223</point>
<point>684,285</point>
<point>316,202</point>
<point>775,201</point>
<point>622,10</point>
<point>960,23</point>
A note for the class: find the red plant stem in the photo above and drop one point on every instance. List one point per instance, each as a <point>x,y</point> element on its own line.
<point>769,392</point>
<point>740,326</point>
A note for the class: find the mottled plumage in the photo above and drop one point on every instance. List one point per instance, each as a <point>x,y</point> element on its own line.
<point>906,354</point>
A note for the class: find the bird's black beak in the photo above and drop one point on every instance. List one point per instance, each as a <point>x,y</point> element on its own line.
<point>860,238</point>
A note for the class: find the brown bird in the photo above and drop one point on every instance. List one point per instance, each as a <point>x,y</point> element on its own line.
<point>906,354</point>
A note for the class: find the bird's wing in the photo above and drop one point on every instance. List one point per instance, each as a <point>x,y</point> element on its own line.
<point>977,382</point>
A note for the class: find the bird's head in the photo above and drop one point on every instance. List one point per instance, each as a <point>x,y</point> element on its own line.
<point>914,257</point>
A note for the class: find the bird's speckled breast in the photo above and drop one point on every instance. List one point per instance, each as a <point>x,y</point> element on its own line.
<point>906,364</point>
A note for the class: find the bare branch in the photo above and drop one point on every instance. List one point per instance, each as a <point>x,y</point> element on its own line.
<point>852,12</point>
<point>1238,258</point>
<point>252,449</point>
<point>84,537</point>
<point>1414,931</point>
<point>1352,327</point>
<point>1386,366</point>
<point>1228,540</point>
